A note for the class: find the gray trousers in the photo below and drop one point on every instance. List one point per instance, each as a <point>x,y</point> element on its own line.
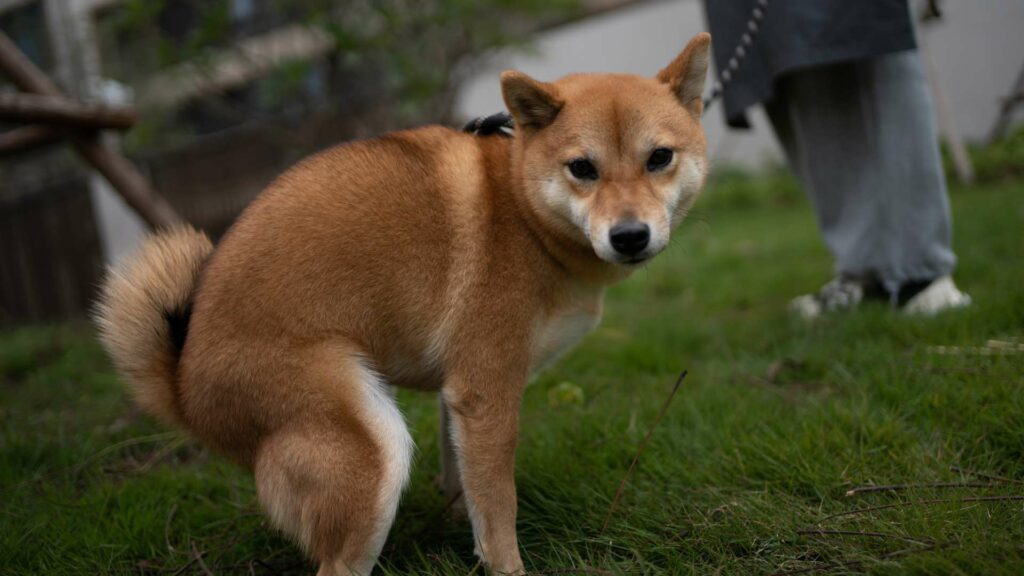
<point>861,138</point>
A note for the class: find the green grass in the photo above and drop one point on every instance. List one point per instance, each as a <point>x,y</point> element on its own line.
<point>1002,160</point>
<point>777,420</point>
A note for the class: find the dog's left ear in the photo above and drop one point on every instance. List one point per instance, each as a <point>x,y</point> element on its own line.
<point>686,74</point>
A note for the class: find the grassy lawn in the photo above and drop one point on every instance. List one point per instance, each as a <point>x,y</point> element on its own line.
<point>777,420</point>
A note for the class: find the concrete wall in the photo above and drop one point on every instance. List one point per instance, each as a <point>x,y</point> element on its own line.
<point>978,50</point>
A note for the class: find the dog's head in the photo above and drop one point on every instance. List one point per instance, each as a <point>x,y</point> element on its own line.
<point>613,160</point>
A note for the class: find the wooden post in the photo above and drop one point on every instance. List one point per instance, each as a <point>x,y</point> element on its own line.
<point>121,174</point>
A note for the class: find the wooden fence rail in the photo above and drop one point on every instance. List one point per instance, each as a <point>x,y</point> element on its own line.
<point>121,174</point>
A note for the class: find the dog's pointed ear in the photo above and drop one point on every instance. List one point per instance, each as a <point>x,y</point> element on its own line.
<point>686,74</point>
<point>532,104</point>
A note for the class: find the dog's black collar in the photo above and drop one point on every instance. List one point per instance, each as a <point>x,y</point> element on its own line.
<point>500,123</point>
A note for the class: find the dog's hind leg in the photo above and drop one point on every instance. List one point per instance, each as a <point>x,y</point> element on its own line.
<point>332,477</point>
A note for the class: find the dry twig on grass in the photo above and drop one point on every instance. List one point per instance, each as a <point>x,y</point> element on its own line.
<point>199,558</point>
<point>920,503</point>
<point>184,567</point>
<point>640,450</point>
<point>583,570</point>
<point>898,487</point>
<point>167,529</point>
<point>827,566</point>
<point>960,470</point>
<point>821,532</point>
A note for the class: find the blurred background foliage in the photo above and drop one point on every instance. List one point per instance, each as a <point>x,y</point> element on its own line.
<point>387,64</point>
<point>1000,161</point>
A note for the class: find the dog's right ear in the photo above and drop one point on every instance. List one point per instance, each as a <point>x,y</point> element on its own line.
<point>532,104</point>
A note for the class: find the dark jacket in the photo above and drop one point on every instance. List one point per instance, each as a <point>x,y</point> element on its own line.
<point>796,34</point>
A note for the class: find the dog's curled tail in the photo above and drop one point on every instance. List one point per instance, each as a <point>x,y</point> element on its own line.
<point>143,313</point>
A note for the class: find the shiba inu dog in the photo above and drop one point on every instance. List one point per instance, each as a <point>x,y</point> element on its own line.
<point>429,259</point>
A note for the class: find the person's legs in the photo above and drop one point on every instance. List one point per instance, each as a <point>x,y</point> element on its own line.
<point>862,140</point>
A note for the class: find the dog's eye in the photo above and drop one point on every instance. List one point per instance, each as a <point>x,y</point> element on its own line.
<point>660,158</point>
<point>583,169</point>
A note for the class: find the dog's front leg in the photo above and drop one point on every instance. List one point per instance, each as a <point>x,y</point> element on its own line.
<point>449,481</point>
<point>484,410</point>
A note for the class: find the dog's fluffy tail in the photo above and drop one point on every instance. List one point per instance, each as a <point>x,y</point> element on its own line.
<point>143,313</point>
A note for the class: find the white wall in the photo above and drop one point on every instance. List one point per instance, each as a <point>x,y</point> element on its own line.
<point>979,50</point>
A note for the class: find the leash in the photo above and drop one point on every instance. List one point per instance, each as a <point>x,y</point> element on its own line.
<point>503,125</point>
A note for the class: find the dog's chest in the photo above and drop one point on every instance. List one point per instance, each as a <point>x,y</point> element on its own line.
<point>556,333</point>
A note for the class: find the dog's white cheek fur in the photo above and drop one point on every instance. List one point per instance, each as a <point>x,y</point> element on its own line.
<point>684,188</point>
<point>602,244</point>
<point>558,198</point>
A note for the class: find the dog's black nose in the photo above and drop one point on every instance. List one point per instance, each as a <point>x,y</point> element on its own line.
<point>630,238</point>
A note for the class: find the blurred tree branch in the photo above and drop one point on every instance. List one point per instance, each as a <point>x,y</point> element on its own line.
<point>386,64</point>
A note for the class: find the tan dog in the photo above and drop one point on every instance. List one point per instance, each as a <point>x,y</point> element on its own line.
<point>429,259</point>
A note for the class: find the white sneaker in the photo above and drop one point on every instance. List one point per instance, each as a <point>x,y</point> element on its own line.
<point>839,294</point>
<point>846,293</point>
<point>941,295</point>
